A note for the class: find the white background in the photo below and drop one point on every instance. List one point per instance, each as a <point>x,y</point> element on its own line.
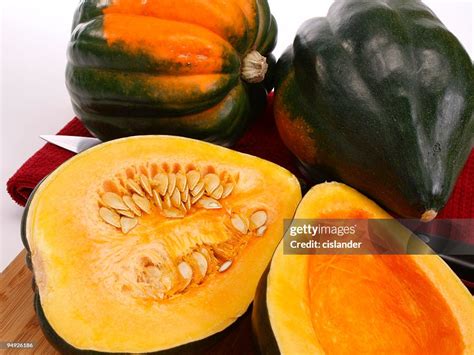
<point>34,101</point>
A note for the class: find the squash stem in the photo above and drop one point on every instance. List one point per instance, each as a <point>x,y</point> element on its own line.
<point>254,67</point>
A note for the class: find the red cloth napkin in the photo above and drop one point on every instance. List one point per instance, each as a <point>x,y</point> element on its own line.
<point>261,140</point>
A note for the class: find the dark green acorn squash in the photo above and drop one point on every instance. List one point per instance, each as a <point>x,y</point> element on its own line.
<point>379,94</point>
<point>180,67</point>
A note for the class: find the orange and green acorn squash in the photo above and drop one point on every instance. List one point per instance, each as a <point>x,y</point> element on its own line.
<point>180,67</point>
<point>137,247</point>
<point>379,95</point>
<point>359,304</point>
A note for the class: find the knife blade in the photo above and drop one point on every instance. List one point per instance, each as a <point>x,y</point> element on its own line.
<point>74,144</point>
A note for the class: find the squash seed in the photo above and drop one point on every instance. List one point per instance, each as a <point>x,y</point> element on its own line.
<point>135,187</point>
<point>186,272</point>
<point>225,266</point>
<point>192,178</point>
<point>188,204</point>
<point>114,201</point>
<point>211,182</point>
<point>167,201</point>
<point>109,216</point>
<point>171,183</point>
<point>228,188</point>
<point>126,213</point>
<point>201,262</point>
<point>198,188</point>
<point>182,208</point>
<point>172,213</point>
<point>197,197</point>
<point>175,198</point>
<point>209,203</point>
<point>142,202</point>
<point>157,198</point>
<point>185,195</point>
<point>145,184</point>
<point>240,223</point>
<point>161,181</point>
<point>131,205</point>
<point>217,194</point>
<point>205,252</point>
<point>258,219</point>
<point>181,182</point>
<point>261,231</point>
<point>127,224</point>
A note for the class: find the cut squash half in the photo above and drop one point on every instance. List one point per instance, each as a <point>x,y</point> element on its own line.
<point>152,243</point>
<point>360,304</point>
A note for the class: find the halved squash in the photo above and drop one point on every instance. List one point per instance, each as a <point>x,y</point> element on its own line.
<point>360,304</point>
<point>154,242</point>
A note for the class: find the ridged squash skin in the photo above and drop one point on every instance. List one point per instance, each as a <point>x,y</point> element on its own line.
<point>168,67</point>
<point>379,95</point>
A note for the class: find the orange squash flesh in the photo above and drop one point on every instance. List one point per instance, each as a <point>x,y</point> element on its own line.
<point>406,314</point>
<point>90,275</point>
<point>364,304</point>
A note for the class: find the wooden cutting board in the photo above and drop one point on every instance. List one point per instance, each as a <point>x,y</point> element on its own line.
<point>19,323</point>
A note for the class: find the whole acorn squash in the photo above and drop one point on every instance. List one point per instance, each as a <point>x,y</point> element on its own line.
<point>154,249</point>
<point>359,304</point>
<point>379,94</point>
<point>190,68</point>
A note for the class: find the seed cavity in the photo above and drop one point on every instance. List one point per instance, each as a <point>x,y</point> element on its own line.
<point>175,195</point>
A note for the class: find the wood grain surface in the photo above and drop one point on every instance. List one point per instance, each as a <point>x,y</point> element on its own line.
<point>19,323</point>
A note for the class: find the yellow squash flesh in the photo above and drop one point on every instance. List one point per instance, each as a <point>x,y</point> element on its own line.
<point>78,258</point>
